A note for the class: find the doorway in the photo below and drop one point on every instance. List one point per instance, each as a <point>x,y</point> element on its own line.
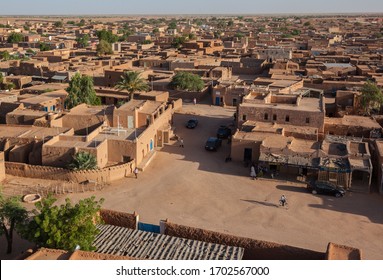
<point>248,155</point>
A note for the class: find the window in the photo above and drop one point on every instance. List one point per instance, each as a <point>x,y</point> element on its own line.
<point>266,116</point>
<point>274,117</point>
<point>307,120</point>
<point>244,117</point>
<point>287,119</point>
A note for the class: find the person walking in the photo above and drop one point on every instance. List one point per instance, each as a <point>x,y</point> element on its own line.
<point>195,101</point>
<point>181,143</point>
<point>135,172</point>
<point>283,200</point>
<point>253,175</point>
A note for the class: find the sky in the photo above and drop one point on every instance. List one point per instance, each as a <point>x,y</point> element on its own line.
<point>157,7</point>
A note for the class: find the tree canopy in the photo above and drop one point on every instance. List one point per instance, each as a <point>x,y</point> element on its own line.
<point>172,25</point>
<point>83,161</point>
<point>5,55</point>
<point>104,48</point>
<point>66,226</point>
<point>107,36</point>
<point>44,46</point>
<point>81,90</point>
<point>179,41</point>
<point>12,217</point>
<point>372,97</point>
<point>132,82</point>
<point>58,24</point>
<point>187,81</point>
<point>15,37</point>
<point>83,41</point>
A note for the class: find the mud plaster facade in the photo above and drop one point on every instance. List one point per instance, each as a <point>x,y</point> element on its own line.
<point>2,167</point>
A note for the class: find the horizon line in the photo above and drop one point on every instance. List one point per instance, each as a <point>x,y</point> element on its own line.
<point>196,15</point>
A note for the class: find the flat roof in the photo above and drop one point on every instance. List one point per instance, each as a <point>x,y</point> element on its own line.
<point>28,112</point>
<point>84,109</point>
<point>305,104</point>
<point>147,245</point>
<point>38,99</point>
<point>25,131</point>
<point>53,86</point>
<point>338,65</point>
<point>355,121</point>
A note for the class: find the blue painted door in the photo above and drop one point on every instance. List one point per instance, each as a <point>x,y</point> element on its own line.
<point>151,144</point>
<point>217,101</point>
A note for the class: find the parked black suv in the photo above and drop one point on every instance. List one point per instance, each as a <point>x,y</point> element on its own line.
<point>223,132</point>
<point>324,187</point>
<point>212,144</point>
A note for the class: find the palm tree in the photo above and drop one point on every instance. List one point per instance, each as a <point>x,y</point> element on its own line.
<point>83,161</point>
<point>132,82</point>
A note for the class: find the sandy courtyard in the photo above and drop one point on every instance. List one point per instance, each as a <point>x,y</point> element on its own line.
<point>194,187</point>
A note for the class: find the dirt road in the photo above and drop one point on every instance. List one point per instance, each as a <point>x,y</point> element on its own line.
<point>198,188</point>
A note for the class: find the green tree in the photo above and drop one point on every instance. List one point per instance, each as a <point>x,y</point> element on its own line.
<point>10,86</point>
<point>172,25</point>
<point>44,47</point>
<point>104,48</point>
<point>192,36</point>
<point>107,36</point>
<point>178,42</point>
<point>83,41</point>
<point>187,81</point>
<point>65,226</point>
<point>15,38</point>
<point>295,32</point>
<point>12,217</point>
<point>156,30</point>
<point>125,34</point>
<point>30,51</point>
<point>132,82</point>
<point>81,23</point>
<point>83,161</point>
<point>372,97</point>
<point>1,78</point>
<point>58,24</point>
<point>239,35</point>
<point>5,55</point>
<point>81,90</point>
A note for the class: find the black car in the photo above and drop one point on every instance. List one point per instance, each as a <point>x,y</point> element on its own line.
<point>324,187</point>
<point>223,132</point>
<point>192,123</point>
<point>213,143</point>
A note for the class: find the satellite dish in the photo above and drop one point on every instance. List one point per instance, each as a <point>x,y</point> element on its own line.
<point>50,38</point>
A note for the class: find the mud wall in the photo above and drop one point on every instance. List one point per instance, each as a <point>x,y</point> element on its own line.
<point>254,249</point>
<point>119,219</point>
<point>342,252</point>
<point>104,175</point>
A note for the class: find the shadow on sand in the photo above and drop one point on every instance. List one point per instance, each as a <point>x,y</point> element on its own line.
<point>263,203</point>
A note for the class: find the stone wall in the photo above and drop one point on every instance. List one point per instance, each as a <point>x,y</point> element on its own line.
<point>254,249</point>
<point>105,175</point>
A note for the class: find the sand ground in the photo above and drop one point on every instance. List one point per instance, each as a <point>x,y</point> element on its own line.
<point>197,188</point>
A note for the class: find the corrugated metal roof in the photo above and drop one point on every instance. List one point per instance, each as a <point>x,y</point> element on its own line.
<point>140,244</point>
